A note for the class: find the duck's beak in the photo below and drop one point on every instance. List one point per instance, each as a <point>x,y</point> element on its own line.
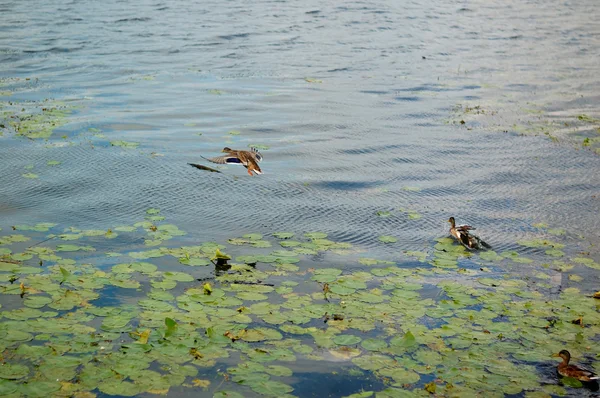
<point>555,355</point>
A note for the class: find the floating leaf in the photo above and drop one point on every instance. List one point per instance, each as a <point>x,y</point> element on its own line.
<point>125,144</point>
<point>252,236</point>
<point>13,371</point>
<point>260,334</point>
<point>277,370</point>
<point>346,339</point>
<point>387,239</point>
<point>171,327</point>
<point>373,344</point>
<point>74,248</point>
<point>571,382</point>
<point>315,235</point>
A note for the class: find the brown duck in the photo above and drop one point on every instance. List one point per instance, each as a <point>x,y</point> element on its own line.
<point>462,234</point>
<point>248,159</point>
<point>566,370</point>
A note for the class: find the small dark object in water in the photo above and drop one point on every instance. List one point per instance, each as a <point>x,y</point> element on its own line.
<point>201,167</point>
<point>578,321</point>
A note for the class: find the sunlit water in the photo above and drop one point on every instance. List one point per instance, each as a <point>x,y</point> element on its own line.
<point>355,100</point>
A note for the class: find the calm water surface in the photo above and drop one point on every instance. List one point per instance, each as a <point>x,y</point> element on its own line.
<point>358,102</point>
<point>159,73</point>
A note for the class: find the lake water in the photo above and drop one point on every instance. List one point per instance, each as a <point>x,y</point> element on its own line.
<point>374,118</point>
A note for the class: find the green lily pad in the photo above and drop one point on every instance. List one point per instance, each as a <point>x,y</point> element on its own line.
<point>278,370</point>
<point>261,334</point>
<point>125,144</point>
<point>373,344</point>
<point>271,388</point>
<point>387,239</point>
<point>13,371</point>
<point>74,248</point>
<point>568,381</point>
<point>36,388</point>
<point>346,339</point>
<point>315,235</point>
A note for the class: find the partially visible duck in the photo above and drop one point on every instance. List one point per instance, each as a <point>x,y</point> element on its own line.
<point>462,234</point>
<point>566,370</point>
<point>248,159</point>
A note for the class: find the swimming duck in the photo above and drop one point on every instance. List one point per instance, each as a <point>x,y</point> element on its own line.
<point>566,370</point>
<point>248,159</point>
<point>461,233</point>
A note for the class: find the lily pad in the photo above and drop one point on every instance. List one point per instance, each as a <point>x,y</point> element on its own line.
<point>125,144</point>
<point>346,339</point>
<point>388,239</point>
<point>13,371</point>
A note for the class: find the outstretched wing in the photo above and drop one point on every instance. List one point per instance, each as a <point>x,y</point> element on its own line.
<point>464,227</point>
<point>226,159</point>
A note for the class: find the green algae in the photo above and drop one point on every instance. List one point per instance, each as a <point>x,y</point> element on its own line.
<point>165,326</point>
<point>40,119</point>
<point>125,144</point>
<point>388,239</point>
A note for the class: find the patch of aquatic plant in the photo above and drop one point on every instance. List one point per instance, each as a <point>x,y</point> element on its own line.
<point>125,144</point>
<point>35,119</point>
<point>580,130</point>
<point>86,312</point>
<point>412,214</point>
<point>142,78</point>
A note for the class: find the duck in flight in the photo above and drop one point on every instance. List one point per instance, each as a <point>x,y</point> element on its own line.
<point>248,159</point>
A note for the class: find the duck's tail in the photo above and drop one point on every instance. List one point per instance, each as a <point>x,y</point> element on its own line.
<point>485,244</point>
